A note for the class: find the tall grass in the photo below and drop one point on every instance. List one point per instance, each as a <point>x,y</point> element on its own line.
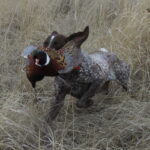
<point>119,121</point>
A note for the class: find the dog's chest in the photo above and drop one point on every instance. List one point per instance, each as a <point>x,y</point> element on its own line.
<point>77,88</point>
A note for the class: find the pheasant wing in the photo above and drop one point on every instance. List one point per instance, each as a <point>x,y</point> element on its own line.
<point>72,58</point>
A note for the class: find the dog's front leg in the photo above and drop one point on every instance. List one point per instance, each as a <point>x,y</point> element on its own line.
<point>85,100</point>
<point>61,90</point>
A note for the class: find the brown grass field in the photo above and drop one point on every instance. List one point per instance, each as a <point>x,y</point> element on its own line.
<point>118,121</point>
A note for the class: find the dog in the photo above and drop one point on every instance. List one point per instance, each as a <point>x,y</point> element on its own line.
<point>94,73</point>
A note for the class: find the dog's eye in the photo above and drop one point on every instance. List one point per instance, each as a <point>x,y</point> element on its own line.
<point>55,43</point>
<point>46,43</point>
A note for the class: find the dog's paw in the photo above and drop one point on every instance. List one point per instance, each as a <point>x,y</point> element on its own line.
<point>85,104</point>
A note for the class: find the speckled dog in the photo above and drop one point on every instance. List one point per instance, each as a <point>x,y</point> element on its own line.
<point>95,72</point>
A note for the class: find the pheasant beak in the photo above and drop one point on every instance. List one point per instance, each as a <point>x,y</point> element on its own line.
<point>37,62</point>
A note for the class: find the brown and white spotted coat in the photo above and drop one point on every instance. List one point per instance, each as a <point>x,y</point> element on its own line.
<point>96,71</point>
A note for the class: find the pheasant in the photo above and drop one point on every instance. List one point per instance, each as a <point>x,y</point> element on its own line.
<point>48,62</point>
<point>38,65</point>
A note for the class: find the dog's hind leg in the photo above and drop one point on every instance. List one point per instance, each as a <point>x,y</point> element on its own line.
<point>122,72</point>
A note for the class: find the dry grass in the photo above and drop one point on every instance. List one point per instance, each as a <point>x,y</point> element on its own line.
<point>118,121</point>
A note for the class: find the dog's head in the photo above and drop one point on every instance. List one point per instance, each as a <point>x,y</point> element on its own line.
<point>57,41</point>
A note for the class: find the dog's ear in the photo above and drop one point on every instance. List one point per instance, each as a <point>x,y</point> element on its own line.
<point>79,37</point>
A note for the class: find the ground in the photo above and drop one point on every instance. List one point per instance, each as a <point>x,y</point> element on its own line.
<point>117,121</point>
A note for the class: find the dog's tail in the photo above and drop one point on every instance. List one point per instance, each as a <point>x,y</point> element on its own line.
<point>103,50</point>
